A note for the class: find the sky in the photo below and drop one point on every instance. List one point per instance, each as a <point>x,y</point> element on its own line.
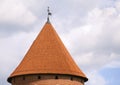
<point>90,30</point>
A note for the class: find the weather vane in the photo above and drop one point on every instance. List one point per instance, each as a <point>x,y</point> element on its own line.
<point>49,14</point>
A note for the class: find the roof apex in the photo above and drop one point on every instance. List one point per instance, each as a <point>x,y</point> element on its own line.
<point>47,55</point>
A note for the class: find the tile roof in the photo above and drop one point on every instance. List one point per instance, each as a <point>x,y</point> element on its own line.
<point>48,55</point>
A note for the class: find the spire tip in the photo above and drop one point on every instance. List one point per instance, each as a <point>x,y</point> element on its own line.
<point>49,14</point>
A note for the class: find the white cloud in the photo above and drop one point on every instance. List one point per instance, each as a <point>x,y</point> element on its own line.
<point>91,61</point>
<point>95,79</point>
<point>114,61</point>
<point>117,5</point>
<point>13,50</point>
<point>13,11</point>
<point>98,39</point>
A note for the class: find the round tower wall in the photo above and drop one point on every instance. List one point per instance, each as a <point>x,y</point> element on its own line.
<point>47,80</point>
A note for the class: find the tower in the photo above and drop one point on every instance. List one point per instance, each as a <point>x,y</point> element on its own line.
<point>47,62</point>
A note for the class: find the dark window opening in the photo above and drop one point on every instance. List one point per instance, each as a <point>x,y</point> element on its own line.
<point>56,77</point>
<point>39,77</point>
<point>71,78</point>
<point>23,77</point>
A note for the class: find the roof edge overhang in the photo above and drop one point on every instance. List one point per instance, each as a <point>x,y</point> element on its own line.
<point>10,78</point>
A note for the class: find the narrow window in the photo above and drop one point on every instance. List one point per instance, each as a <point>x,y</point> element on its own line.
<point>56,77</point>
<point>23,77</point>
<point>39,77</point>
<point>71,78</point>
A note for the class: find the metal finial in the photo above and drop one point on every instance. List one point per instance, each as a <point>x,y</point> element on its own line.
<point>49,14</point>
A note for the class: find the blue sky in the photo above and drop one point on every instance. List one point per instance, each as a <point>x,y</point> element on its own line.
<point>90,29</point>
<point>111,75</point>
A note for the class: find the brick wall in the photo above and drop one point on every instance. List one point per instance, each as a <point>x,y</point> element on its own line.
<point>47,80</point>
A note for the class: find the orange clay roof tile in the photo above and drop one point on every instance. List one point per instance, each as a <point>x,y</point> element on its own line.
<point>48,55</point>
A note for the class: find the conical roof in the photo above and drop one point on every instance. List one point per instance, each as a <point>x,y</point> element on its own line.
<point>47,55</point>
